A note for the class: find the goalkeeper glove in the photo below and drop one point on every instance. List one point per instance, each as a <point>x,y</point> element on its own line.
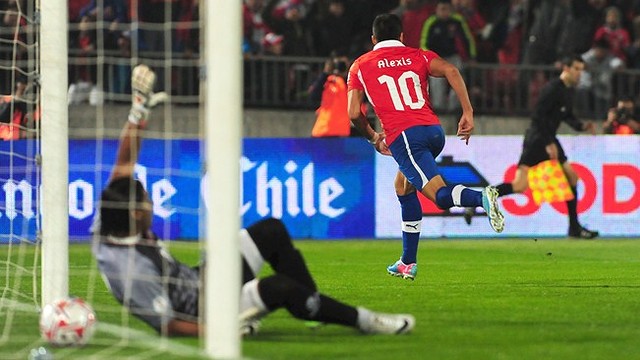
<point>143,99</point>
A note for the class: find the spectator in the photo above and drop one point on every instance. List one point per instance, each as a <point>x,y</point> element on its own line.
<point>470,13</point>
<point>629,10</point>
<point>187,35</point>
<point>253,28</point>
<point>293,26</point>
<point>634,49</point>
<point>538,81</point>
<point>622,119</point>
<point>13,112</point>
<point>548,19</point>
<point>331,89</point>
<point>493,35</point>
<point>367,11</point>
<point>151,16</point>
<point>187,32</point>
<point>448,35</point>
<point>413,14</point>
<point>332,27</point>
<point>480,29</point>
<point>11,21</point>
<point>612,30</point>
<point>272,86</point>
<point>506,77</point>
<point>576,35</point>
<point>84,82</point>
<point>273,44</point>
<point>596,86</point>
<point>510,51</point>
<point>75,6</point>
<point>112,12</point>
<point>122,68</point>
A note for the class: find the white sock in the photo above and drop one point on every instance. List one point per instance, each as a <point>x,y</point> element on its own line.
<point>250,300</point>
<point>364,318</point>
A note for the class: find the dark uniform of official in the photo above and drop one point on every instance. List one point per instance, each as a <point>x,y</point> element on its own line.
<point>554,105</point>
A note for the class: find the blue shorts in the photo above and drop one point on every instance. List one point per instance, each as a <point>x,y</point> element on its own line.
<point>415,150</point>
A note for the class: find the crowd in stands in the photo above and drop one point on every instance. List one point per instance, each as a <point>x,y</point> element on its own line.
<point>491,31</point>
<point>118,27</point>
<point>18,98</point>
<point>509,32</point>
<point>467,33</point>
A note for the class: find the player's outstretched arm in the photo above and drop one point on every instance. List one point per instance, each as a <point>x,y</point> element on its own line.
<point>142,100</point>
<point>178,327</point>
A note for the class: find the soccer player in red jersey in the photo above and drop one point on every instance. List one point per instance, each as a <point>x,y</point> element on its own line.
<point>395,80</point>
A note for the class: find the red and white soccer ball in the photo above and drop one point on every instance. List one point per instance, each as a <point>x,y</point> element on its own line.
<point>67,322</point>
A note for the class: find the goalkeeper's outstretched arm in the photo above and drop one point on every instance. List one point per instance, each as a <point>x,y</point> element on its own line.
<point>142,100</point>
<point>177,327</point>
<point>127,151</point>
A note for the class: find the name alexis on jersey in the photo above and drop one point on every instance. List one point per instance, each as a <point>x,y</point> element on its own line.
<point>385,63</point>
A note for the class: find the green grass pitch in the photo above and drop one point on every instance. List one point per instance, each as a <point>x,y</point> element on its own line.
<point>473,299</point>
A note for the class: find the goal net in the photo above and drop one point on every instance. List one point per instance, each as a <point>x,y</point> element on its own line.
<point>105,42</point>
<point>20,176</point>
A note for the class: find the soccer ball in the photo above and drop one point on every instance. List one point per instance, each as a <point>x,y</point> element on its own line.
<point>67,322</point>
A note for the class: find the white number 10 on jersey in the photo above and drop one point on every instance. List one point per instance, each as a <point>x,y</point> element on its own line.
<point>403,84</point>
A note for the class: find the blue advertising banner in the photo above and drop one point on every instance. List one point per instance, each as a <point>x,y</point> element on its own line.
<point>320,188</point>
<point>169,170</point>
<point>19,177</point>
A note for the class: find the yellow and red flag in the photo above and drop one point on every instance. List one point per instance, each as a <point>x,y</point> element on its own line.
<point>548,183</point>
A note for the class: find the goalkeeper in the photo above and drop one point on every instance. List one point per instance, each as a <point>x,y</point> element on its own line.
<point>164,293</point>
<point>540,142</point>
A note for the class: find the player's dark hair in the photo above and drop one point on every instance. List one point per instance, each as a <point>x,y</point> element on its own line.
<point>570,59</point>
<point>387,27</point>
<point>116,201</point>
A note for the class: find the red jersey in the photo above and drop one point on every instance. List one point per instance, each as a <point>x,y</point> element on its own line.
<point>395,79</point>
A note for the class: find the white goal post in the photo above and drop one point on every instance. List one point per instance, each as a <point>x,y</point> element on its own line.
<point>55,149</point>
<point>223,136</point>
<point>223,129</point>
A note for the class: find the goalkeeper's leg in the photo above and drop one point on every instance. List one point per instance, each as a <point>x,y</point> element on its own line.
<point>273,241</point>
<point>280,291</point>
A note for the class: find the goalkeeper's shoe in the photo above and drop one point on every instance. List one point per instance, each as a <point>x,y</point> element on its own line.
<point>405,271</point>
<point>370,322</point>
<point>490,205</point>
<point>143,99</point>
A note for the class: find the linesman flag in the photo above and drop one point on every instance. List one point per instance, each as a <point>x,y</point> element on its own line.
<point>548,183</point>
